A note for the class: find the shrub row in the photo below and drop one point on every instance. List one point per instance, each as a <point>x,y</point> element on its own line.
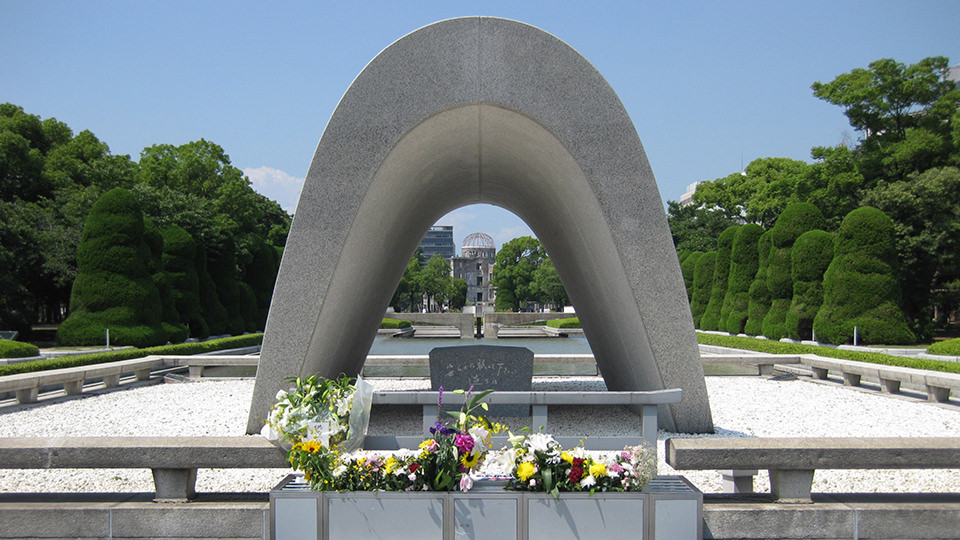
<point>779,347</point>
<point>394,323</point>
<point>570,322</point>
<point>951,347</point>
<point>126,354</point>
<point>17,349</point>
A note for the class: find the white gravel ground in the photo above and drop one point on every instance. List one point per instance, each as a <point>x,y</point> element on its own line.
<point>742,407</point>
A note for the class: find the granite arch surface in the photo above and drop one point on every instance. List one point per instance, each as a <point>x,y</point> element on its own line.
<point>483,110</point>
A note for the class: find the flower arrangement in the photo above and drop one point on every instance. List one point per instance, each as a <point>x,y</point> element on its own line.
<point>457,448</point>
<point>539,463</point>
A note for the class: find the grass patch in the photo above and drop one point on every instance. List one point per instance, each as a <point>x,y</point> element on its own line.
<point>778,347</point>
<point>569,322</point>
<point>394,323</point>
<point>126,354</point>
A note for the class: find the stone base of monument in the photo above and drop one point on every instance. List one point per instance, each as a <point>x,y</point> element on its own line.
<point>668,508</point>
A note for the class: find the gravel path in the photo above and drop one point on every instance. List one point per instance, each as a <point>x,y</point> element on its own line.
<point>742,407</point>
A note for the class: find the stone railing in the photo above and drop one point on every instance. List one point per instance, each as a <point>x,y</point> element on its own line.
<point>792,461</point>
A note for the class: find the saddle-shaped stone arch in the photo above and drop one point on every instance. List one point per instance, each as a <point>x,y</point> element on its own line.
<point>483,110</point>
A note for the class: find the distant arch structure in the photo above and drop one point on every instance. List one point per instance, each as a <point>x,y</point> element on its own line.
<point>483,110</point>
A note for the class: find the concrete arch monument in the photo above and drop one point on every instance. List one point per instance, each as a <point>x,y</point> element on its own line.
<point>483,110</point>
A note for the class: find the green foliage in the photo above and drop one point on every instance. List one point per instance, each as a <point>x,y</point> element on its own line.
<point>569,322</point>
<point>721,276</point>
<point>695,228</point>
<point>114,289</point>
<point>200,347</point>
<point>394,323</point>
<point>744,260</point>
<point>926,221</point>
<point>810,257</point>
<point>457,293</point>
<point>759,293</point>
<point>517,261</point>
<point>779,347</point>
<point>211,308</point>
<point>261,274</point>
<point>950,347</point>
<point>435,280</point>
<point>175,329</point>
<point>795,220</point>
<point>17,349</point>
<point>860,286</point>
<point>409,289</point>
<point>549,288</point>
<point>702,285</point>
<point>179,253</point>
<point>904,111</point>
<point>688,267</point>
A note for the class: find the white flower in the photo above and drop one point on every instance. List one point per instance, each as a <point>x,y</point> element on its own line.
<point>340,470</point>
<point>588,481</point>
<point>542,442</point>
<point>281,394</point>
<point>480,437</point>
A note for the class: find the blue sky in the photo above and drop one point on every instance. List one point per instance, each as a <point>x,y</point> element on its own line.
<point>708,84</point>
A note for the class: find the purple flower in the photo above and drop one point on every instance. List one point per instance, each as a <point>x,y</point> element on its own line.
<point>442,429</point>
<point>464,443</point>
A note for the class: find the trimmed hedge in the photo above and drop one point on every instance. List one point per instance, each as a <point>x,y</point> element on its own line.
<point>702,285</point>
<point>570,322</point>
<point>689,270</point>
<point>809,259</point>
<point>179,254</point>
<point>713,315</point>
<point>17,349</point>
<point>861,288</point>
<point>950,347</point>
<point>200,347</point>
<point>743,267</point>
<point>759,293</point>
<point>113,289</point>
<point>394,323</point>
<point>795,220</point>
<point>779,347</point>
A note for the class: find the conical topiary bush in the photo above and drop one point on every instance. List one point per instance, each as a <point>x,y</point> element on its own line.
<point>113,289</point>
<point>860,287</point>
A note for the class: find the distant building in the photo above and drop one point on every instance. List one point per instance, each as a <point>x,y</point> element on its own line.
<point>687,198</point>
<point>438,241</point>
<point>475,266</point>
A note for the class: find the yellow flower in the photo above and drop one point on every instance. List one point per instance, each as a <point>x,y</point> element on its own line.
<point>598,470</point>
<point>525,470</point>
<point>566,457</point>
<point>390,465</point>
<point>470,459</point>
<point>311,446</point>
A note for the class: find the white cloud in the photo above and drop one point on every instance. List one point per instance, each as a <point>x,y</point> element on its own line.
<point>277,185</point>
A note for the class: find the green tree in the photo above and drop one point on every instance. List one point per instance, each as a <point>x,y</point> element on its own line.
<point>457,294</point>
<point>409,289</point>
<point>860,287</point>
<point>516,263</point>
<point>695,228</point>
<point>796,219</point>
<point>702,285</point>
<point>744,260</point>
<point>809,258</point>
<point>759,293</point>
<point>173,326</point>
<point>549,287</point>
<point>758,194</point>
<point>713,315</point>
<point>114,290</point>
<point>905,113</point>
<point>435,279</point>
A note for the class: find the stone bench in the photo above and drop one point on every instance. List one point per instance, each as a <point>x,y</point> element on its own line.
<point>173,460</point>
<point>27,386</point>
<point>196,363</point>
<point>646,403</point>
<point>763,362</point>
<point>791,462</point>
<point>937,384</point>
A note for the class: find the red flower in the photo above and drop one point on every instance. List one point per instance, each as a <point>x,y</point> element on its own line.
<point>414,467</point>
<point>576,472</point>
